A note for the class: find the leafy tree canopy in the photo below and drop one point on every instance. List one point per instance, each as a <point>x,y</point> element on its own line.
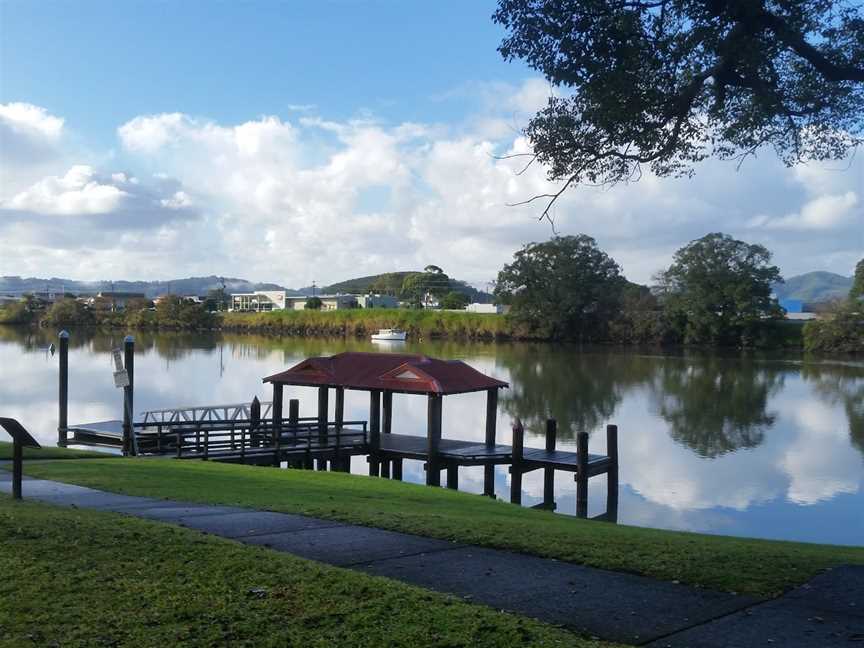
<point>857,289</point>
<point>313,303</point>
<point>432,281</point>
<point>455,300</point>
<point>667,83</point>
<point>567,285</point>
<point>719,289</point>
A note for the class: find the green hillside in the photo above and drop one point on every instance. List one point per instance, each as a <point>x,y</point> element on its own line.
<point>814,287</point>
<point>391,283</point>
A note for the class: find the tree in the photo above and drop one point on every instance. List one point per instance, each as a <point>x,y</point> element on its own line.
<point>313,303</point>
<point>455,300</point>
<point>857,289</point>
<point>718,290</point>
<point>567,286</point>
<point>667,83</point>
<point>418,286</point>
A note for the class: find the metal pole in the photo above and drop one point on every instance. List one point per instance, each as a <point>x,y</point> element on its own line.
<point>63,399</point>
<point>128,393</point>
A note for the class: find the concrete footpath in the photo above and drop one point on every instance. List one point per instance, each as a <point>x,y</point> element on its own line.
<point>827,612</point>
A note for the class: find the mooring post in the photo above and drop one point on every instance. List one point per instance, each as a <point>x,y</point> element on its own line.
<point>491,426</point>
<point>323,413</point>
<point>17,468</point>
<point>433,440</point>
<point>374,431</point>
<point>612,474</point>
<point>516,463</point>
<point>582,475</point>
<point>63,400</point>
<point>549,472</point>
<point>453,476</point>
<point>128,394</point>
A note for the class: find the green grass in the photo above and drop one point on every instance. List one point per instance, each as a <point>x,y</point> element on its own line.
<point>759,567</point>
<point>362,323</point>
<point>52,453</point>
<point>89,578</point>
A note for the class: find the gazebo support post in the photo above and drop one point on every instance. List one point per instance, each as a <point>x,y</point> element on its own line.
<point>491,425</point>
<point>339,419</point>
<point>453,476</point>
<point>397,469</point>
<point>374,431</point>
<point>323,406</point>
<point>387,408</point>
<point>293,419</point>
<point>277,421</point>
<point>433,440</point>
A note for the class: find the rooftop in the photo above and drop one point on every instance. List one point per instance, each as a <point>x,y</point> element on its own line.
<point>397,372</point>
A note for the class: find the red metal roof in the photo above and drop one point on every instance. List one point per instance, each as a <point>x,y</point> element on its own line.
<point>399,372</point>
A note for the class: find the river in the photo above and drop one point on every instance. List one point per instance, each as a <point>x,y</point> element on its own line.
<point>757,446</point>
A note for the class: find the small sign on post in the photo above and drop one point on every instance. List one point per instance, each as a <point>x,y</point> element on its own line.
<point>20,439</point>
<point>121,376</point>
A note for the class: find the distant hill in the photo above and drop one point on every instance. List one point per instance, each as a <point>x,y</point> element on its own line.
<point>187,286</point>
<point>392,282</point>
<point>814,287</point>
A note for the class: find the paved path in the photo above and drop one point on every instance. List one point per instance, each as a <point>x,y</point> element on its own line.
<point>827,612</point>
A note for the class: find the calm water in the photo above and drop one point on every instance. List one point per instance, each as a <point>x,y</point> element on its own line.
<point>765,447</point>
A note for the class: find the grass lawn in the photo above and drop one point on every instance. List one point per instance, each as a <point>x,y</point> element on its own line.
<point>52,453</point>
<point>89,578</point>
<point>758,567</point>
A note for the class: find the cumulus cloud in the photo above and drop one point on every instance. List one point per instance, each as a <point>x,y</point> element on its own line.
<point>292,199</point>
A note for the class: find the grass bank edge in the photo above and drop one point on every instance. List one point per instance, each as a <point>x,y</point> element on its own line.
<point>50,452</point>
<point>758,567</point>
<point>156,584</point>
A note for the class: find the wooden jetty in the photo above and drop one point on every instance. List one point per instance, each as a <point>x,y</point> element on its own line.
<point>260,433</point>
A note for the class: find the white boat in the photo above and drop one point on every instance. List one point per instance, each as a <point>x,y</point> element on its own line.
<point>390,335</point>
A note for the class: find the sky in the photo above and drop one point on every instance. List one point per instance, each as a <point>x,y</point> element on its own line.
<point>294,142</point>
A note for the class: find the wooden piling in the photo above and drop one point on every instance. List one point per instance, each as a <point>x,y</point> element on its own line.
<point>385,469</point>
<point>374,431</point>
<point>453,476</point>
<point>433,440</point>
<point>516,463</point>
<point>387,407</point>
<point>582,475</point>
<point>323,407</point>
<point>17,468</point>
<point>549,473</point>
<point>612,474</point>
<point>63,400</point>
<point>491,427</point>
<point>397,469</point>
<point>128,394</point>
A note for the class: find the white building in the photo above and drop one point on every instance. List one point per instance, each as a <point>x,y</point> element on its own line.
<point>328,302</point>
<point>489,309</point>
<point>259,301</point>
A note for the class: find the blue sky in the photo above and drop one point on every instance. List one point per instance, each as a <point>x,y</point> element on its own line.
<point>102,63</point>
<point>292,141</point>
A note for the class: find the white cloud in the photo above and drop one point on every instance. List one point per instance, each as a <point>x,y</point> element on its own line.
<point>30,119</point>
<point>292,200</point>
<point>77,192</point>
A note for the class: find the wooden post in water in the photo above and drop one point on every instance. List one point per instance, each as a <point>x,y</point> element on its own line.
<point>582,475</point>
<point>387,407</point>
<point>374,432</point>
<point>612,475</point>
<point>491,425</point>
<point>63,397</point>
<point>433,440</point>
<point>339,419</point>
<point>516,465</point>
<point>549,473</point>
<point>453,476</point>
<point>276,417</point>
<point>128,394</point>
<point>323,410</point>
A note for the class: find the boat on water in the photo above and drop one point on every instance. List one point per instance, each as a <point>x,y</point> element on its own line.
<point>390,335</point>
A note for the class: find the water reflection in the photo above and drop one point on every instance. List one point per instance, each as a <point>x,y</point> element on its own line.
<point>770,447</point>
<point>716,405</point>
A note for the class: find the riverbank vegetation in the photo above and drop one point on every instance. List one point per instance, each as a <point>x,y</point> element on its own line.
<point>842,329</point>
<point>759,567</point>
<point>76,577</point>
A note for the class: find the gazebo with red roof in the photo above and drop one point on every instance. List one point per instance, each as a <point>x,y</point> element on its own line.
<point>382,375</point>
